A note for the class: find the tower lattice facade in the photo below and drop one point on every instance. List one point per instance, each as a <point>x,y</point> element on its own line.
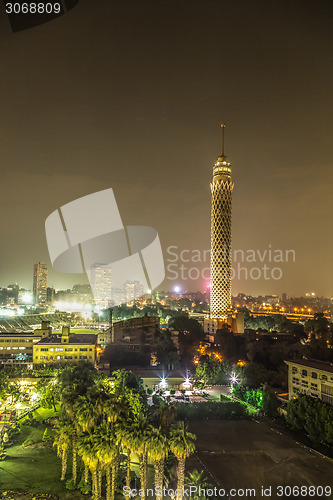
<point>220,265</point>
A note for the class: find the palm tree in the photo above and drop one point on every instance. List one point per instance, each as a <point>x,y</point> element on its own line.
<point>69,398</point>
<point>198,480</point>
<point>125,439</point>
<point>87,449</point>
<point>166,414</point>
<point>181,445</point>
<point>107,450</point>
<point>158,451</point>
<point>141,433</point>
<point>87,412</point>
<point>63,441</point>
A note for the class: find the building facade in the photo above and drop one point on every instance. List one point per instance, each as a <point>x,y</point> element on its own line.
<point>17,348</point>
<point>40,283</point>
<point>101,284</point>
<point>311,377</point>
<point>65,348</point>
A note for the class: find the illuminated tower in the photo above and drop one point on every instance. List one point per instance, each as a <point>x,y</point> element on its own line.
<point>220,257</point>
<point>220,264</point>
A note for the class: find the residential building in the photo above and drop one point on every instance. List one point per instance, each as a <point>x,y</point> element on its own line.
<point>312,377</point>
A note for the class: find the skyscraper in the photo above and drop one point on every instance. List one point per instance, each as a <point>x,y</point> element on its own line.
<point>40,283</point>
<point>101,284</point>
<point>220,263</point>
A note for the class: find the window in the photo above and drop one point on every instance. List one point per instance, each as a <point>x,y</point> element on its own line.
<point>314,386</point>
<point>314,375</point>
<point>324,377</point>
<point>68,357</point>
<point>294,370</point>
<point>304,373</point>
<point>44,349</point>
<point>59,348</point>
<point>82,357</point>
<point>83,349</point>
<point>68,349</point>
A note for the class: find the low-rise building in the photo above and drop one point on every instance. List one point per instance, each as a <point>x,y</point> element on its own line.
<point>312,377</point>
<point>136,330</point>
<point>66,348</point>
<point>17,348</point>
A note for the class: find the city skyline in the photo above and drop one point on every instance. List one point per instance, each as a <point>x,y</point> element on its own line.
<point>153,138</point>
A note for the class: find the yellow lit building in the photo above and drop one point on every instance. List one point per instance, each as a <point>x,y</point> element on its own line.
<point>312,377</point>
<point>65,348</point>
<point>17,348</point>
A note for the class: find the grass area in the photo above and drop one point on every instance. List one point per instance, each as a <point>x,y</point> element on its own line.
<point>43,413</point>
<point>35,468</point>
<point>80,331</point>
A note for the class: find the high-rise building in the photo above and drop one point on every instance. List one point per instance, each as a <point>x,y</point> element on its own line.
<point>40,283</point>
<point>101,284</point>
<point>133,290</point>
<point>220,263</point>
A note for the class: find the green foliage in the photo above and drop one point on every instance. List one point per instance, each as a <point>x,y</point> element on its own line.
<point>70,485</point>
<point>172,392</point>
<point>198,480</point>
<point>210,409</point>
<point>4,384</point>
<point>211,371</point>
<point>312,416</point>
<point>2,452</point>
<point>270,402</point>
<point>253,397</point>
<point>47,436</point>
<point>84,487</point>
<point>5,438</point>
<point>29,442</point>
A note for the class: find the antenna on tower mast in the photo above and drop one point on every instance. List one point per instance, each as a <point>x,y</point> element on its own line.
<point>223,127</point>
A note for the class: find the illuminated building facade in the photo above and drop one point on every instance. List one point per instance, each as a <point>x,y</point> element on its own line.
<point>66,348</point>
<point>40,283</point>
<point>311,377</point>
<point>101,284</point>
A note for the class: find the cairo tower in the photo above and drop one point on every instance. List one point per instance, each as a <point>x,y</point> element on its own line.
<point>220,260</point>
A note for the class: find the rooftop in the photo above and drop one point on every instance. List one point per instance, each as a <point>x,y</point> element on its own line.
<point>74,338</point>
<point>313,363</point>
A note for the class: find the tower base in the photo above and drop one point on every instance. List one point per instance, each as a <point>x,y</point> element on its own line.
<point>234,319</point>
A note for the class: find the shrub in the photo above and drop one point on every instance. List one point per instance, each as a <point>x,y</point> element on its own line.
<point>47,436</point>
<point>172,392</point>
<point>2,452</point>
<point>210,409</point>
<point>149,391</point>
<point>70,484</point>
<point>29,442</point>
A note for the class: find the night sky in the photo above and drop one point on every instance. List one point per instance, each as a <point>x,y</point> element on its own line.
<point>130,94</point>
